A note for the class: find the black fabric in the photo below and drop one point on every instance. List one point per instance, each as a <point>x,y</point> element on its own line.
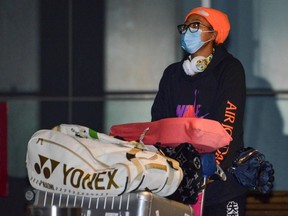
<point>233,207</point>
<point>218,93</point>
<point>189,160</point>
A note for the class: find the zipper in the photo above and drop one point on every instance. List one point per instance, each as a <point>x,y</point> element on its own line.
<point>246,157</point>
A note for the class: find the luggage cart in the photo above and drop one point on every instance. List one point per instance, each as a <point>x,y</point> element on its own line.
<point>131,204</point>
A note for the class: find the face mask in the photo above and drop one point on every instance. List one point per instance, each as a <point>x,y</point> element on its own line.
<point>191,42</point>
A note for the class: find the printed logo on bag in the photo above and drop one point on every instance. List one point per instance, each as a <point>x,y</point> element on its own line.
<point>197,163</point>
<point>98,180</point>
<point>75,177</point>
<point>46,170</point>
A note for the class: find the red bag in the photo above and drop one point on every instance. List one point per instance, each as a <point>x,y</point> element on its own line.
<point>204,134</point>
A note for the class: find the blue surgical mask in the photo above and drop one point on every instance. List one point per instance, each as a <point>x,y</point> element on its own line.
<point>191,42</point>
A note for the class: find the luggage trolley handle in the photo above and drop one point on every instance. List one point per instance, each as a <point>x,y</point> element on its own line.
<point>209,168</point>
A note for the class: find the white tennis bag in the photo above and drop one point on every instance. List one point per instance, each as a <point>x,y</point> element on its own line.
<point>72,159</point>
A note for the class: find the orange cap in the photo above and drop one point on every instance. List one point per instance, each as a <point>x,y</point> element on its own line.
<point>217,19</point>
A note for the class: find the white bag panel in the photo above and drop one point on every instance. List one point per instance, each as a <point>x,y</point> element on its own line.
<point>54,170</point>
<point>60,163</point>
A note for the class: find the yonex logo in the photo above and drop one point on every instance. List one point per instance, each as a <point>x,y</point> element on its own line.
<point>77,178</point>
<point>45,167</point>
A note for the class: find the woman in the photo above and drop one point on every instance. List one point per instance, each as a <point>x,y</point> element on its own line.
<point>208,83</point>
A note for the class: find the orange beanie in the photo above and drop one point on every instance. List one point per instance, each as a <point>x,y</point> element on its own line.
<point>218,20</point>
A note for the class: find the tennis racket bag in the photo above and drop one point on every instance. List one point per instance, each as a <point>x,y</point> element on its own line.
<point>72,159</point>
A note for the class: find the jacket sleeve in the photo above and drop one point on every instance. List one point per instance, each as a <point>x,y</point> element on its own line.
<point>160,107</point>
<point>229,109</point>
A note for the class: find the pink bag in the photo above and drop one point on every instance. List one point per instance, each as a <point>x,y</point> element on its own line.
<point>204,134</point>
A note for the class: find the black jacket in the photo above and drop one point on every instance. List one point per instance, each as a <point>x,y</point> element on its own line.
<point>218,93</point>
